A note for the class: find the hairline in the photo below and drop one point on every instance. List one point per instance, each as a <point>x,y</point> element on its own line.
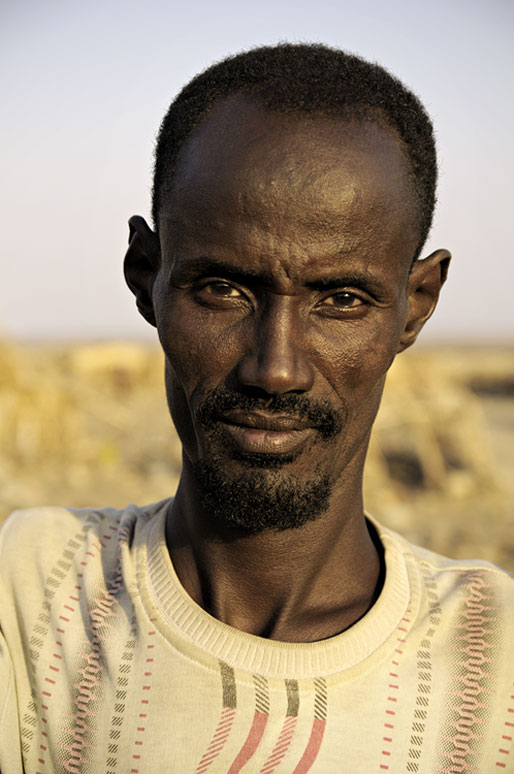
<point>357,112</point>
<point>305,79</point>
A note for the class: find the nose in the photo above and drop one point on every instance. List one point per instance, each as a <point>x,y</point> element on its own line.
<point>276,360</point>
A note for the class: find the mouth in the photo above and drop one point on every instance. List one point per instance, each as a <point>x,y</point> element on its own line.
<point>261,433</point>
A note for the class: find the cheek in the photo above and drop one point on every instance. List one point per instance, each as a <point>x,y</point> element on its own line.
<point>199,356</point>
<point>357,357</point>
<point>355,369</point>
<point>186,362</point>
<point>200,348</point>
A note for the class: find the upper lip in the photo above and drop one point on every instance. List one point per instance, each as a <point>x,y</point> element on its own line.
<point>262,421</point>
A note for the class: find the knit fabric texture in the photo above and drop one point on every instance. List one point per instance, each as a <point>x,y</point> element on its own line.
<point>107,665</point>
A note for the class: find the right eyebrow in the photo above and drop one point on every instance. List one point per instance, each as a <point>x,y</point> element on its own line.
<point>204,266</point>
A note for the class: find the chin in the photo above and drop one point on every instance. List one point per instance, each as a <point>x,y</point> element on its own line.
<point>261,496</point>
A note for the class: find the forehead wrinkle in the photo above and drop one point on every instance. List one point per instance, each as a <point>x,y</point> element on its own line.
<point>272,208</point>
<point>250,223</point>
<point>262,249</point>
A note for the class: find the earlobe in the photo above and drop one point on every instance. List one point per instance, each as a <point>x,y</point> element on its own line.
<point>142,262</point>
<point>425,282</point>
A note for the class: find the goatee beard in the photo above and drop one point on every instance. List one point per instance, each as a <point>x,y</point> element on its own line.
<point>259,500</point>
<point>261,495</point>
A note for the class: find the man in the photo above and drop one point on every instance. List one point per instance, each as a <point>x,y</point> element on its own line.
<point>259,621</point>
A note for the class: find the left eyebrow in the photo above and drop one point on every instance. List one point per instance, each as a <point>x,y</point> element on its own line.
<point>354,279</point>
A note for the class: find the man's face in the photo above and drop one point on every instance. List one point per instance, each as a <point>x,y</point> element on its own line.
<point>282,295</point>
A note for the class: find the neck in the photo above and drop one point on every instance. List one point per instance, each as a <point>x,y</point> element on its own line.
<point>298,585</point>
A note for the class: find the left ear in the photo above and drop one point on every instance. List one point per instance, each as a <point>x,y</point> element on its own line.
<point>425,282</point>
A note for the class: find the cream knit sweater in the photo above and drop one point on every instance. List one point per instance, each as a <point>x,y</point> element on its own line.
<point>106,664</point>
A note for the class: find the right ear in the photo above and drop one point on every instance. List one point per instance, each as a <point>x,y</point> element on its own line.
<point>142,262</point>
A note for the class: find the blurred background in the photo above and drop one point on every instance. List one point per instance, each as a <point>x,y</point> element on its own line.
<point>82,410</point>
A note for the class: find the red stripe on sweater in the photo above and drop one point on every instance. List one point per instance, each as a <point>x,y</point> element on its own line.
<point>313,746</point>
<point>251,743</point>
<point>218,740</point>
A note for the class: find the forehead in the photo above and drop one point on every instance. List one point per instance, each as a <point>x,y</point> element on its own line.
<point>305,179</point>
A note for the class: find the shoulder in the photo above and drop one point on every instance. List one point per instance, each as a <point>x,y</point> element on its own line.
<point>438,563</point>
<point>45,522</point>
<point>42,530</point>
<point>33,540</point>
<point>465,583</point>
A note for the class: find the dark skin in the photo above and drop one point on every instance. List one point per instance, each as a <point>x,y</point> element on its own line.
<point>283,266</point>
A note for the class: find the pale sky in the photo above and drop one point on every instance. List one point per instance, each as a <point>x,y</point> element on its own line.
<point>85,85</point>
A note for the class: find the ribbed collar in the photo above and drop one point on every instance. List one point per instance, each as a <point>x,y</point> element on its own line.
<point>190,629</point>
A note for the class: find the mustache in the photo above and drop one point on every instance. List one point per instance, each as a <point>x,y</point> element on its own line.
<point>319,413</point>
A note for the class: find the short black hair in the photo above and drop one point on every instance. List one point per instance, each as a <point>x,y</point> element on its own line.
<point>304,78</point>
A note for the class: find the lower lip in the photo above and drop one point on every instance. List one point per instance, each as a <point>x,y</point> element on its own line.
<point>255,440</point>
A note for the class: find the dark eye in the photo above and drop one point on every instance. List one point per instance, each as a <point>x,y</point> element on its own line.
<point>221,290</point>
<point>344,300</point>
<point>219,294</point>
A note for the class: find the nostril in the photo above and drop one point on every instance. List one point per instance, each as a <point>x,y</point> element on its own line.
<point>258,393</point>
